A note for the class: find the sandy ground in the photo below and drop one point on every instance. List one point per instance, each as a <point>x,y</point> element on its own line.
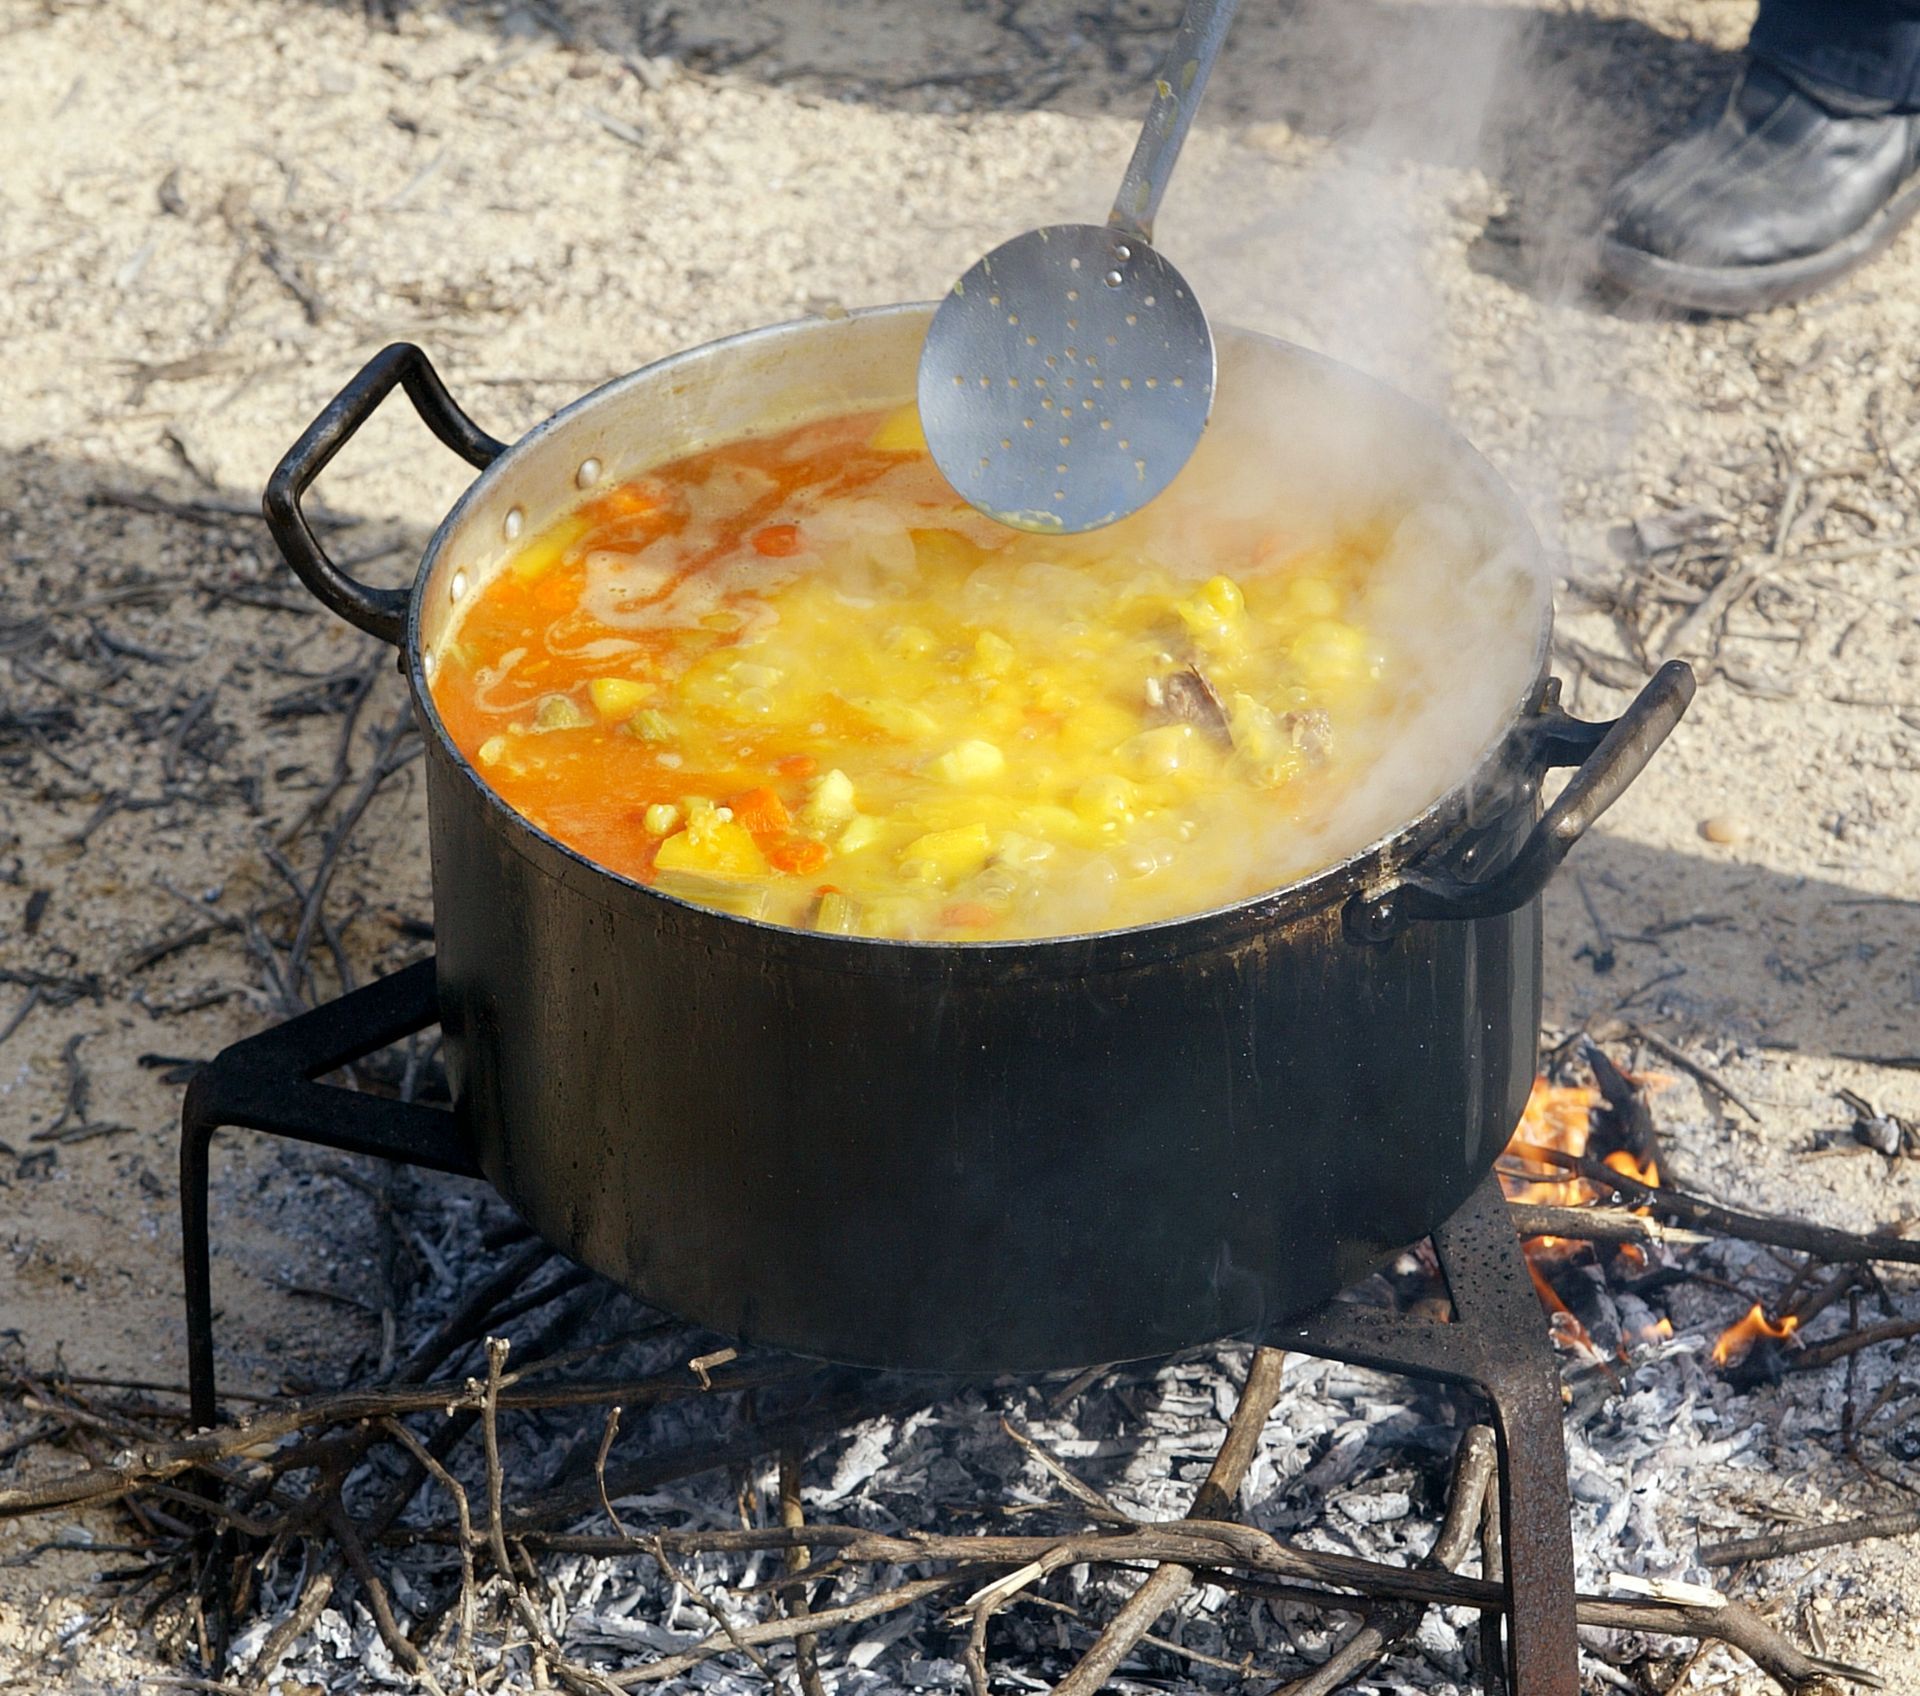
<point>212,212</point>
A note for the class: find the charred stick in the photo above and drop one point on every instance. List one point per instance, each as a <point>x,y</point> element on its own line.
<point>607,1435</point>
<point>184,726</point>
<point>490,1440</point>
<point>1842,1283</point>
<point>140,1465</point>
<point>343,751</point>
<point>471,1318</point>
<point>1222,1552</point>
<point>1198,1543</point>
<point>430,1463</point>
<point>1243,1668</point>
<point>156,1462</point>
<point>567,1501</point>
<point>1214,1500</point>
<point>1596,1225</point>
<point>354,1553</point>
<point>901,1596</point>
<point>19,1017</point>
<point>174,943</point>
<point>1734,584</point>
<point>386,761</point>
<point>707,1605</point>
<point>1817,1355</point>
<point>1797,1234</point>
<point>1097,1505</point>
<point>322,1582</point>
<point>314,1595</point>
<point>982,1606</point>
<point>573,1278</point>
<point>1705,1076</point>
<point>525,1587</point>
<point>806,1647</point>
<point>1807,1538</point>
<point>1732,1623</point>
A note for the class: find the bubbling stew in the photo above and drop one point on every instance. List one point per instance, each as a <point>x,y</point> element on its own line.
<point>793,677</point>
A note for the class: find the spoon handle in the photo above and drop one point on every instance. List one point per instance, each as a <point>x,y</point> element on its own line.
<point>1176,97</point>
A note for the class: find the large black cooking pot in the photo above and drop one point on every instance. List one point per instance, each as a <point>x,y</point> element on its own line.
<point>986,1156</point>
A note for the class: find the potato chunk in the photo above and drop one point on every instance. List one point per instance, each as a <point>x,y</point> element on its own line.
<point>972,761</point>
<point>618,697</point>
<point>946,856</point>
<point>900,432</point>
<point>715,847</point>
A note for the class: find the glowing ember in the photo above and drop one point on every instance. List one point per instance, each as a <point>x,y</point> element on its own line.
<point>1738,1338</point>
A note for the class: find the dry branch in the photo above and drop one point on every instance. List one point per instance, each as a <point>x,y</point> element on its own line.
<point>1214,1500</point>
<point>1235,1556</point>
<point>1797,1234</point>
<point>1810,1537</point>
<point>1474,1468</point>
<point>806,1647</point>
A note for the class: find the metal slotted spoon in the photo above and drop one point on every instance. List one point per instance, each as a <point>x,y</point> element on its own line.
<point>1068,376</point>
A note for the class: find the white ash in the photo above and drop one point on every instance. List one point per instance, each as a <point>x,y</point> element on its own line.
<point>1664,1451</point>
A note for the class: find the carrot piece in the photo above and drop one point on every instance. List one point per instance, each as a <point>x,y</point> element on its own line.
<point>797,854</point>
<point>777,541</point>
<point>797,765</point>
<point>761,811</point>
<point>967,915</point>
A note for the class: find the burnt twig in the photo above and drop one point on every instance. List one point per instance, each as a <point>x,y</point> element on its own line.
<point>1796,1234</point>
<point>806,1647</point>
<point>1807,1538</point>
<point>1214,1500</point>
<point>1475,1464</point>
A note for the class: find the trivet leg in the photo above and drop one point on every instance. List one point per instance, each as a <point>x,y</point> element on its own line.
<point>266,1083</point>
<point>1536,1536</point>
<point>1497,1342</point>
<point>1494,1300</point>
<point>196,1137</point>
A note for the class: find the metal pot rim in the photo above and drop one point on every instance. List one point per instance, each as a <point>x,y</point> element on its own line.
<point>1358,873</point>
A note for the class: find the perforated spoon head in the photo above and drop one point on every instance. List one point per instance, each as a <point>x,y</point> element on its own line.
<point>1066,379</point>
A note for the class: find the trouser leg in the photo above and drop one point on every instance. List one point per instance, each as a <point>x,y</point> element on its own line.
<point>1855,56</point>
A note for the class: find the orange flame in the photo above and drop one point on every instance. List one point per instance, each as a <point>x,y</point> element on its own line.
<point>1645,1171</point>
<point>1739,1337</point>
<point>1560,1117</point>
<point>1557,1117</point>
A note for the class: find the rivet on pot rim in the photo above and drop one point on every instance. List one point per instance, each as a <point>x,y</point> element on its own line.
<point>457,589</point>
<point>588,474</point>
<point>514,519</point>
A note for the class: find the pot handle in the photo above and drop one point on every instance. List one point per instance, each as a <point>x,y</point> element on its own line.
<point>379,612</point>
<point>1609,757</point>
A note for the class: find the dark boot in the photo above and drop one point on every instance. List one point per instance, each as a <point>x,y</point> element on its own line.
<point>1777,198</point>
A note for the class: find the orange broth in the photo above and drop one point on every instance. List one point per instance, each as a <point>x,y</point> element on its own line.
<point>793,677</point>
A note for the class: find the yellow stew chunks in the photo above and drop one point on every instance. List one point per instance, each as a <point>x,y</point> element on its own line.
<point>796,679</point>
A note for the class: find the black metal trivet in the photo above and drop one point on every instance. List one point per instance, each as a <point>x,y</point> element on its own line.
<point>1497,1342</point>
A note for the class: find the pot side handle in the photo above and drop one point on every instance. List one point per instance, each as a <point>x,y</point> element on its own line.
<point>379,612</point>
<point>1609,757</point>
